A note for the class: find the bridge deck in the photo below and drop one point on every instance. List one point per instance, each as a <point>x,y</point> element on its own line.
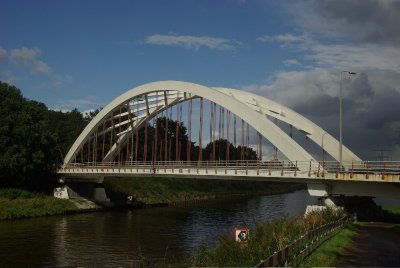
<point>276,170</point>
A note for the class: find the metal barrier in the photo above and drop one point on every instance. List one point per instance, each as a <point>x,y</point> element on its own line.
<point>294,253</point>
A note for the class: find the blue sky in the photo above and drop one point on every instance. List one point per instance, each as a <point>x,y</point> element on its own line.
<point>83,54</point>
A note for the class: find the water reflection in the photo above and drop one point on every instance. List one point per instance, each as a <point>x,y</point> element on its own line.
<point>120,238</point>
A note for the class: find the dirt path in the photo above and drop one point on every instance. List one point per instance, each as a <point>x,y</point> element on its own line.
<point>377,244</point>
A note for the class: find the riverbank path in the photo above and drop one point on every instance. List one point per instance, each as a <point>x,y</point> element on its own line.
<point>375,245</point>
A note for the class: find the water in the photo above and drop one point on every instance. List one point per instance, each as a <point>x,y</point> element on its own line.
<point>120,238</point>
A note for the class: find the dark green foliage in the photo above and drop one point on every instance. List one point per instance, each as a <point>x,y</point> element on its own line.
<point>27,146</point>
<point>392,214</point>
<point>66,128</point>
<point>33,140</point>
<point>221,151</point>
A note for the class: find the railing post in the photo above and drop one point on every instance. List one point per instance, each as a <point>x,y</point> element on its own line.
<point>295,170</point>
<point>236,163</point>
<point>352,170</point>
<point>337,170</point>
<point>309,170</point>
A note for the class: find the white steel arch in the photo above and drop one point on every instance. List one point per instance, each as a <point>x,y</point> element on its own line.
<point>287,115</point>
<point>250,107</point>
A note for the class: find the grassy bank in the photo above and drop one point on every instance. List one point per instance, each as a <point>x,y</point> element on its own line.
<point>329,251</point>
<point>392,215</point>
<point>169,190</point>
<point>265,239</point>
<point>17,204</point>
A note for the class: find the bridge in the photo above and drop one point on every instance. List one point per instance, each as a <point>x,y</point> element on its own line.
<point>181,129</point>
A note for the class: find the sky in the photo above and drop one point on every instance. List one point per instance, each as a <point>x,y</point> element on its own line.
<point>84,53</point>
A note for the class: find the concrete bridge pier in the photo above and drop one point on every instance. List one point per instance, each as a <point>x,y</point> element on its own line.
<point>90,189</point>
<point>337,196</point>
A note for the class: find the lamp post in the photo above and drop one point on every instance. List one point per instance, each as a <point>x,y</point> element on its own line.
<point>323,150</point>
<point>341,116</point>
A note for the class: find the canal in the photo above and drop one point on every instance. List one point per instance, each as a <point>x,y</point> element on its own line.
<point>122,238</point>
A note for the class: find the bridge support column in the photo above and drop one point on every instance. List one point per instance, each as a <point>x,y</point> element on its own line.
<point>91,190</point>
<point>363,206</point>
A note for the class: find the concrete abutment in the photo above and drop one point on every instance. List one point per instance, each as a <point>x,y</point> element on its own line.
<point>92,190</point>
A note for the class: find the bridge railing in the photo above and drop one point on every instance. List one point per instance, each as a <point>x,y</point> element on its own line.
<point>363,167</point>
<point>219,164</point>
<point>328,166</point>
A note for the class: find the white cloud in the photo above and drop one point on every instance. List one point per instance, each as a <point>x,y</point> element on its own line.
<point>3,53</point>
<point>282,38</point>
<point>28,57</point>
<point>371,21</point>
<point>291,62</point>
<point>350,56</point>
<point>192,42</point>
<point>61,80</point>
<point>339,56</point>
<point>85,104</point>
<point>22,60</point>
<point>372,117</point>
<point>8,77</point>
<point>360,36</point>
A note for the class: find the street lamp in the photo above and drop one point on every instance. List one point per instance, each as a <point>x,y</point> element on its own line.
<point>341,115</point>
<point>323,150</point>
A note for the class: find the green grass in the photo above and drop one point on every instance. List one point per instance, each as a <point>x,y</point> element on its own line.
<point>18,204</point>
<point>394,210</point>
<point>326,254</point>
<point>329,251</point>
<point>167,190</point>
<point>392,214</point>
<point>265,239</point>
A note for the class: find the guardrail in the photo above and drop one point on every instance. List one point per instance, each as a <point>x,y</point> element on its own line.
<point>316,168</point>
<point>295,252</point>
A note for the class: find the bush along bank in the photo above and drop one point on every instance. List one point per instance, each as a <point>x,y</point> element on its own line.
<point>149,191</point>
<point>18,204</point>
<point>265,239</point>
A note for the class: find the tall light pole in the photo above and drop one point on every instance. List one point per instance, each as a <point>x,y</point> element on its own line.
<point>341,116</point>
<point>323,150</point>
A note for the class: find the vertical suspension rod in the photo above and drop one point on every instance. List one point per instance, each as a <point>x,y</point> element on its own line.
<point>166,137</point>
<point>137,131</point>
<point>118,139</point>
<point>155,130</point>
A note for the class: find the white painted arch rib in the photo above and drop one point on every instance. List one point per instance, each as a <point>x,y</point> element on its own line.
<point>291,149</point>
<point>287,115</point>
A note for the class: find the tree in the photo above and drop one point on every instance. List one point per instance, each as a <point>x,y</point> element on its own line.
<point>28,155</point>
<point>235,153</point>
